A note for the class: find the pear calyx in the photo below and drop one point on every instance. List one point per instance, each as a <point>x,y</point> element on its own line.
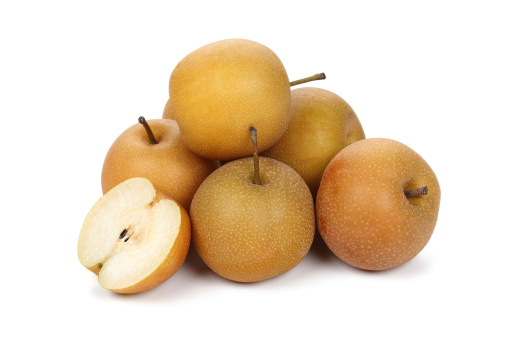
<point>416,192</point>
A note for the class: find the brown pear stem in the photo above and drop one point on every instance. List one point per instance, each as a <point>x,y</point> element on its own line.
<point>257,175</point>
<point>320,76</point>
<point>417,192</point>
<point>152,138</point>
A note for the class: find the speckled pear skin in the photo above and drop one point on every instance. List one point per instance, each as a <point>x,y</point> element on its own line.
<point>322,124</point>
<point>168,112</point>
<point>362,212</point>
<point>171,167</point>
<point>246,232</point>
<point>221,90</point>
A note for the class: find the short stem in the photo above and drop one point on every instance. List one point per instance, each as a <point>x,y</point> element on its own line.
<point>320,76</point>
<point>257,175</point>
<point>416,192</point>
<point>152,138</point>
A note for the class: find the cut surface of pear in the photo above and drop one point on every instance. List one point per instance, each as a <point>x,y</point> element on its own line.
<point>132,240</point>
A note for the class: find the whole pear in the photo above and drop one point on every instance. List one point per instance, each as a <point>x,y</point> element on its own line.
<point>170,166</point>
<point>220,90</point>
<point>378,204</point>
<point>322,124</point>
<point>252,219</point>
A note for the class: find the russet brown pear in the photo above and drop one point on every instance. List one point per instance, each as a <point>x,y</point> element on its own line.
<point>377,204</point>
<point>252,219</point>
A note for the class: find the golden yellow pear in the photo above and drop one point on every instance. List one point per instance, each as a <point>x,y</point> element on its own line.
<point>168,112</point>
<point>322,124</point>
<point>220,90</point>
<point>170,166</point>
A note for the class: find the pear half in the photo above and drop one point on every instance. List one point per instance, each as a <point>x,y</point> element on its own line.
<point>132,239</point>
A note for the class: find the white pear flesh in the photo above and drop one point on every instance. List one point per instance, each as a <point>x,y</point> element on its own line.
<point>132,240</point>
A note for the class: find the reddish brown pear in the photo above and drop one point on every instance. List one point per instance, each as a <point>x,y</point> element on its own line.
<point>322,124</point>
<point>378,204</point>
<point>153,150</point>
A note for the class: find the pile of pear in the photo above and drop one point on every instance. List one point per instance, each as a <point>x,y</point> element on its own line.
<point>247,169</point>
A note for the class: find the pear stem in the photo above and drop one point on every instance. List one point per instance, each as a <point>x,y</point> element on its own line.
<point>320,76</point>
<point>257,175</point>
<point>152,138</point>
<point>417,192</point>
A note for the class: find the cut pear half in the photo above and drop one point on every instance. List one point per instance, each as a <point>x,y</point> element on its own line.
<point>133,240</point>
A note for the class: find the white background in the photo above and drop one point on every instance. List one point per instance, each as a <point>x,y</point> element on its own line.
<point>430,74</point>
